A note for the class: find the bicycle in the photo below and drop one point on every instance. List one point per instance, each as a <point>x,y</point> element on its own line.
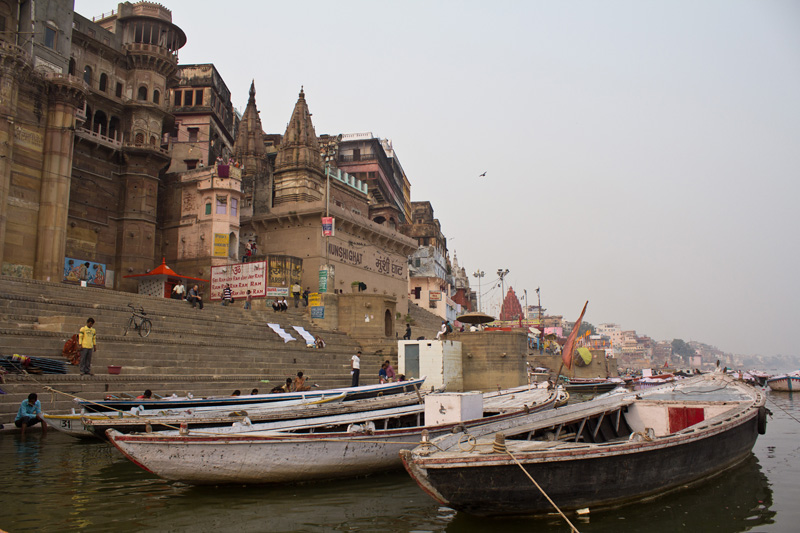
<point>139,322</point>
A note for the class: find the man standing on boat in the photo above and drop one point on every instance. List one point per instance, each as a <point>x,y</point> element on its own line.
<point>355,365</point>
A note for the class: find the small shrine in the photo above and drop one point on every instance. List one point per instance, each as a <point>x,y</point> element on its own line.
<point>160,281</point>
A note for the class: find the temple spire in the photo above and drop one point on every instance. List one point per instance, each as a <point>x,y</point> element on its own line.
<point>299,174</point>
<point>299,147</point>
<point>250,136</point>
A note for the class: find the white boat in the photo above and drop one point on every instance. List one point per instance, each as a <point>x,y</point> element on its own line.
<point>785,383</point>
<point>82,425</point>
<point>298,451</point>
<point>597,454</point>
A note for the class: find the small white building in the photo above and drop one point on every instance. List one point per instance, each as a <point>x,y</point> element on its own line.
<point>440,361</point>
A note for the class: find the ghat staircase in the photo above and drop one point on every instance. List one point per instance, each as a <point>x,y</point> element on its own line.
<point>207,352</point>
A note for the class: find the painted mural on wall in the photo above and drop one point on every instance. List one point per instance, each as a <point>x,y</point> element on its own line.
<point>241,277</point>
<point>284,270</point>
<point>77,270</point>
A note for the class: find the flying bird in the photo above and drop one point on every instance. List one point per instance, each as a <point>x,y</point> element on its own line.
<point>482,175</point>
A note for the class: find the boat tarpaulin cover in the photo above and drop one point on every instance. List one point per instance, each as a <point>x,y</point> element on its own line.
<point>584,357</point>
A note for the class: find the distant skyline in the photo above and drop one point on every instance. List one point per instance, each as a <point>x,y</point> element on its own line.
<point>639,155</point>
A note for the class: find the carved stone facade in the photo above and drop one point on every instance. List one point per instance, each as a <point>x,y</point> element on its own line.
<point>305,190</point>
<point>108,155</point>
<point>89,107</point>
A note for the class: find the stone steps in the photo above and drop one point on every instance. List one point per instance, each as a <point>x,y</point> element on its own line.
<point>216,345</point>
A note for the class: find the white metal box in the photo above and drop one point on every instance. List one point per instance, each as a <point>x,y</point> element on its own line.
<point>452,407</point>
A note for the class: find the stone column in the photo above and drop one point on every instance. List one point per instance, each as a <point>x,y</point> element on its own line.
<point>136,233</point>
<point>66,96</point>
<point>13,68</point>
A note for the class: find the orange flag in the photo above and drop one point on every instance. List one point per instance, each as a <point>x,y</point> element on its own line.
<point>569,347</point>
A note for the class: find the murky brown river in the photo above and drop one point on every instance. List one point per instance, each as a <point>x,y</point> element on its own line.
<point>57,483</point>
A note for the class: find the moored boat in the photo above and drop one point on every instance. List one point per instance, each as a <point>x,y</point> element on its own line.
<point>596,454</point>
<point>352,393</point>
<point>785,383</point>
<point>592,385</point>
<point>322,448</point>
<point>648,382</point>
<point>93,424</point>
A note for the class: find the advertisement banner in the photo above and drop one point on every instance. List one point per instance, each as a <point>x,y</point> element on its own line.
<point>221,241</point>
<point>328,226</point>
<point>241,277</point>
<point>277,292</point>
<point>434,296</point>
<point>314,298</point>
<point>318,311</point>
<point>323,281</point>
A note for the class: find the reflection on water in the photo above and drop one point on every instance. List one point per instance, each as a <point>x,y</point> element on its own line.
<point>63,484</point>
<point>736,501</point>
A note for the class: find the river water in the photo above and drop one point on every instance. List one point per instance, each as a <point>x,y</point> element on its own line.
<point>56,483</point>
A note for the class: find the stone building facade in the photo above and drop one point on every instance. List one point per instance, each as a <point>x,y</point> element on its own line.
<point>86,107</point>
<point>288,195</point>
<point>374,162</point>
<point>108,163</point>
<point>430,281</point>
<point>205,122</point>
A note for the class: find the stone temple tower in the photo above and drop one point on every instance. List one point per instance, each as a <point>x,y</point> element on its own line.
<point>250,150</point>
<point>299,173</point>
<point>150,42</point>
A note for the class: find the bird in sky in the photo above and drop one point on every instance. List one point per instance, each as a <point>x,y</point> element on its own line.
<point>482,175</point>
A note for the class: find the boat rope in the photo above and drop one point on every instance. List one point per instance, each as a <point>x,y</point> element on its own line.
<point>506,450</point>
<point>787,413</point>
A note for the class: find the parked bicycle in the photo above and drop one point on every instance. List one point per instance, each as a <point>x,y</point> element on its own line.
<point>139,322</point>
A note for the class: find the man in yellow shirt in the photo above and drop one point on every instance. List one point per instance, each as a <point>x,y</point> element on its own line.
<point>87,339</point>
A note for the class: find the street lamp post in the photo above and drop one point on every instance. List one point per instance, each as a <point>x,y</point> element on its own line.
<point>479,274</point>
<point>330,153</point>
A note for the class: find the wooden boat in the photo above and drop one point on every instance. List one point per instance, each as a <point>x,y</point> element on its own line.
<point>785,383</point>
<point>319,408</point>
<point>321,448</point>
<point>592,385</point>
<point>93,425</point>
<point>602,453</point>
<point>648,382</point>
<point>353,393</point>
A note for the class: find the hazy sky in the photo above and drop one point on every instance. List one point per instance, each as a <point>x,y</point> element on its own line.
<point>641,155</point>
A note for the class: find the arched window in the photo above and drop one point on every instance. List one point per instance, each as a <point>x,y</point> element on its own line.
<point>156,97</point>
<point>87,75</point>
<point>232,245</point>
<point>142,93</point>
<point>113,127</point>
<point>388,323</point>
<point>139,139</point>
<point>100,123</point>
<point>153,140</point>
<point>103,82</point>
<point>71,70</point>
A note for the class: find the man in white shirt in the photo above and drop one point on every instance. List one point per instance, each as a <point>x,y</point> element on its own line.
<point>179,291</point>
<point>355,364</point>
